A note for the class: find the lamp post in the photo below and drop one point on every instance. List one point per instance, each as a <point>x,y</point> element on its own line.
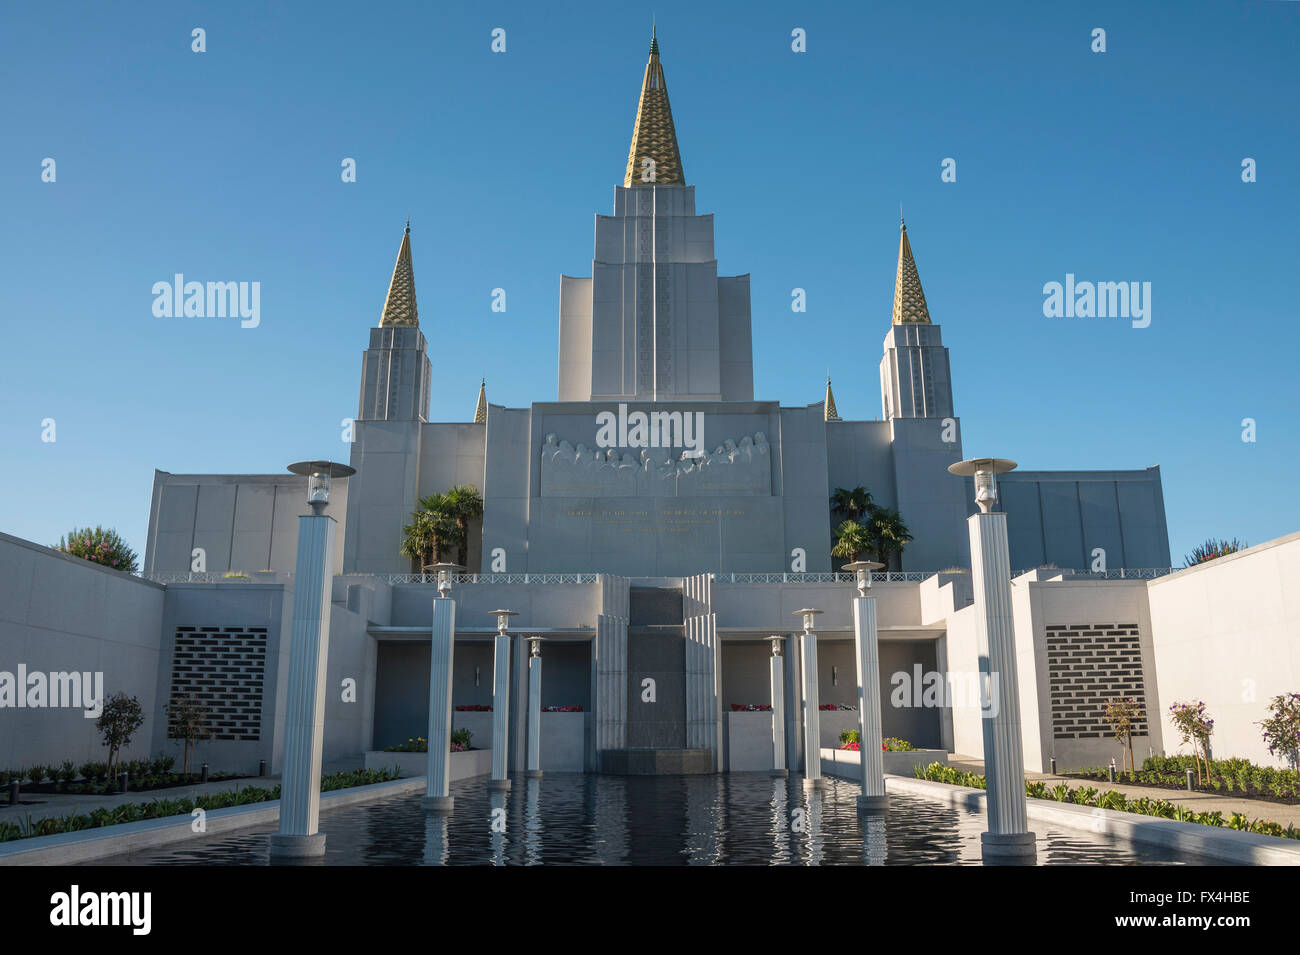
<point>778,706</point>
<point>437,780</point>
<point>1008,836</point>
<point>812,757</point>
<point>500,781</point>
<point>304,722</point>
<point>534,733</point>
<point>443,571</point>
<point>870,729</point>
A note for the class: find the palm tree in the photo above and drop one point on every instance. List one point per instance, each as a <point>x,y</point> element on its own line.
<point>851,539</point>
<point>887,533</point>
<point>852,504</point>
<point>462,504</point>
<point>431,529</point>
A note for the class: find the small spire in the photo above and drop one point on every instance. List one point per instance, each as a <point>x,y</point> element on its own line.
<point>909,298</point>
<point>399,306</point>
<point>831,413</point>
<point>480,410</point>
<point>653,136</point>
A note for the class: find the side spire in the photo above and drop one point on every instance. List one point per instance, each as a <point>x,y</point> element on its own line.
<point>653,137</point>
<point>399,306</point>
<point>480,410</point>
<point>909,299</point>
<point>832,414</point>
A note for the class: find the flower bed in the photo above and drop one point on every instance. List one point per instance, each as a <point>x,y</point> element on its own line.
<point>92,779</point>
<point>460,743</point>
<point>159,808</point>
<point>561,709</point>
<point>1089,796</point>
<point>750,707</point>
<point>474,708</point>
<point>1228,777</point>
<point>837,706</point>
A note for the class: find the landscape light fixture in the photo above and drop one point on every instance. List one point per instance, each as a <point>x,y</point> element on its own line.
<point>809,618</point>
<point>863,569</point>
<point>503,621</point>
<point>318,475</point>
<point>776,640</point>
<point>535,645</point>
<point>444,572</point>
<point>985,471</point>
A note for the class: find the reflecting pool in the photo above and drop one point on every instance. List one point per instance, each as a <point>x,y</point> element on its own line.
<point>724,819</point>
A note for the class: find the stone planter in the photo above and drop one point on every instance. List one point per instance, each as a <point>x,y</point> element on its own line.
<point>466,765</point>
<point>749,740</point>
<point>846,762</point>
<point>564,743</point>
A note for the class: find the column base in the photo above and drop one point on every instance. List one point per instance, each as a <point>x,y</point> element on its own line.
<point>297,847</point>
<point>439,805</point>
<point>1009,846</point>
<point>873,803</point>
<point>498,785</point>
<point>783,773</point>
<point>533,774</point>
<point>818,783</point>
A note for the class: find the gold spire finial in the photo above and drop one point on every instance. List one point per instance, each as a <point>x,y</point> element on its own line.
<point>654,158</point>
<point>909,299</point>
<point>399,306</point>
<point>831,413</point>
<point>480,410</point>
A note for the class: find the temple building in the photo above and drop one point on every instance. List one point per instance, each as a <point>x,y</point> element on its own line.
<point>654,519</point>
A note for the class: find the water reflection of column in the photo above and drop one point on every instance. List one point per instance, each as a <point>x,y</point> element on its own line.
<point>497,826</point>
<point>703,818</point>
<point>873,839</point>
<point>437,844</point>
<point>533,821</point>
<point>610,819</point>
<point>815,847</point>
<point>780,822</point>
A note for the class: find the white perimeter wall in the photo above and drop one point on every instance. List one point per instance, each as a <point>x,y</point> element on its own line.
<point>61,613</point>
<point>1228,632</point>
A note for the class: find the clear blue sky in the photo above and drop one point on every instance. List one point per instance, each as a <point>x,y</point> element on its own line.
<point>225,165</point>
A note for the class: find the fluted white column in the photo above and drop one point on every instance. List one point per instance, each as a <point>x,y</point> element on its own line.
<point>872,760</point>
<point>304,723</point>
<point>1008,834</point>
<point>500,780</point>
<point>778,715</point>
<point>437,792</point>
<point>534,716</point>
<point>812,747</point>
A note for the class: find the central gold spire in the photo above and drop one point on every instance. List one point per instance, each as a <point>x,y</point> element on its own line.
<point>399,306</point>
<point>653,137</point>
<point>909,300</point>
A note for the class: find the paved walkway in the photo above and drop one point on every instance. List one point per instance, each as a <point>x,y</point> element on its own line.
<point>1278,812</point>
<point>40,805</point>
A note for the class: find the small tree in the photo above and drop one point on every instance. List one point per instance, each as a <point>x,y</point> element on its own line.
<point>121,717</point>
<point>1195,727</point>
<point>1281,730</point>
<point>887,532</point>
<point>187,720</point>
<point>851,503</point>
<point>101,545</point>
<point>1123,715</point>
<point>462,504</point>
